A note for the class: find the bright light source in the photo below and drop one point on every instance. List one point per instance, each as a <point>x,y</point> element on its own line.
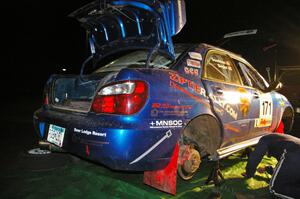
<point>64,69</point>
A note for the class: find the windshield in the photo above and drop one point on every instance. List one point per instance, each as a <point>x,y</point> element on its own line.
<point>138,59</point>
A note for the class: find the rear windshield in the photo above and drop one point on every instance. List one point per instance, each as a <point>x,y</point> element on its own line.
<point>138,59</point>
<point>69,92</point>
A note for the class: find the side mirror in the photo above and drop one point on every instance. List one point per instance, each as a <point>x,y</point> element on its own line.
<point>274,86</point>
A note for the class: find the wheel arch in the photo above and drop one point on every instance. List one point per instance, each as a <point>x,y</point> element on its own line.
<point>288,119</point>
<point>204,128</point>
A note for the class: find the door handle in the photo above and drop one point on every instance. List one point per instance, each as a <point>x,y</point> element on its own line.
<point>218,90</point>
<point>255,95</point>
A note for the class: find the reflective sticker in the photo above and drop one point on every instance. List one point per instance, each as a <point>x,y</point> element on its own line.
<point>193,63</point>
<point>195,55</point>
<point>265,111</point>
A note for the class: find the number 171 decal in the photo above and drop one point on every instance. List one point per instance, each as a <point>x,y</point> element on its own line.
<point>265,111</point>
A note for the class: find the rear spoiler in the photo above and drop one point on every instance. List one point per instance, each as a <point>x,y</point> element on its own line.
<point>240,33</point>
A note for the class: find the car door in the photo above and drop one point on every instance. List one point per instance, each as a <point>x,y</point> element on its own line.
<point>262,105</point>
<point>229,98</point>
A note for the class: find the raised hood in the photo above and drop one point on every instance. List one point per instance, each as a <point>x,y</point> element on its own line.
<point>115,25</point>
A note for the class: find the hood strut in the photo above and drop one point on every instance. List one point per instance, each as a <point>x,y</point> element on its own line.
<point>155,48</point>
<point>83,66</point>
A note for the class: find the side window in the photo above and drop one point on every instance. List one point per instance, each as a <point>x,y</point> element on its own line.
<point>253,78</point>
<point>221,68</point>
<point>244,76</point>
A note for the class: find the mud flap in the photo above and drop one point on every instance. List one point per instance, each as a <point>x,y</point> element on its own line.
<point>280,128</point>
<point>164,179</point>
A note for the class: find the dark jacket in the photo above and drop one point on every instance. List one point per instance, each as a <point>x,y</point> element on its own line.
<point>274,144</point>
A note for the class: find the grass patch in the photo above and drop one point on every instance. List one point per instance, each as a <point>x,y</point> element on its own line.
<point>83,179</point>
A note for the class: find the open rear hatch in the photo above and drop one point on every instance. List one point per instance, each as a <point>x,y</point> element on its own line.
<point>113,26</point>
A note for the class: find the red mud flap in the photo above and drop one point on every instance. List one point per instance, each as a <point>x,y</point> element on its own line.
<point>280,128</point>
<point>164,179</point>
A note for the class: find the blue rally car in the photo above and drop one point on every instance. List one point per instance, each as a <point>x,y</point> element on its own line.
<point>150,96</point>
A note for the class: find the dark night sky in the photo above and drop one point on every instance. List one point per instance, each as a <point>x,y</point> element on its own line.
<point>41,38</point>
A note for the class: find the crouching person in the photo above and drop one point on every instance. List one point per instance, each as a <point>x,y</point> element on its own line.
<point>285,181</point>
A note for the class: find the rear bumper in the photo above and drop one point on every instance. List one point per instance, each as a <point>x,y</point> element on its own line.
<point>118,142</point>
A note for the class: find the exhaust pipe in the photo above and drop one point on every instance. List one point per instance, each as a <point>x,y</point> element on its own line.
<point>51,147</point>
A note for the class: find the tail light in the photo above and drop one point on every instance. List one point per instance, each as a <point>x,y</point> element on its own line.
<point>121,98</point>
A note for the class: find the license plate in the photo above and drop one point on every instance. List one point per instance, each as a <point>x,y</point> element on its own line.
<point>56,135</point>
<point>298,110</point>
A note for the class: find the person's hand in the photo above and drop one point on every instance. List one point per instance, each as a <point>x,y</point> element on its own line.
<point>261,169</point>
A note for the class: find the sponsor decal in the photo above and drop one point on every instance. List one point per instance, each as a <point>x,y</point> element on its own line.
<point>221,64</point>
<point>166,109</point>
<point>219,110</point>
<point>195,55</point>
<point>193,63</point>
<point>244,101</point>
<point>167,105</point>
<point>179,113</point>
<point>231,128</point>
<point>185,82</point>
<point>191,71</point>
<point>87,132</point>
<point>166,124</point>
<point>262,122</point>
<point>265,111</point>
<point>225,106</point>
<point>281,103</point>
<point>200,100</point>
<point>167,135</point>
